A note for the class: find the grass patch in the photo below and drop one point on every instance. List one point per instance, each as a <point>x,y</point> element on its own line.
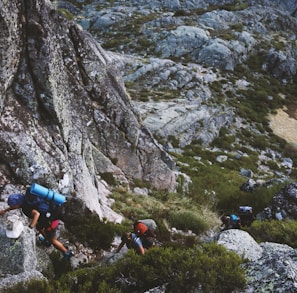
<point>171,208</point>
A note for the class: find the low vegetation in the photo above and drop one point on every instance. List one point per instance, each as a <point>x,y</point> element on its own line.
<point>210,267</point>
<point>284,232</point>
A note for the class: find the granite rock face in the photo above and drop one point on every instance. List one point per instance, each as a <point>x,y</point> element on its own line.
<point>66,118</point>
<point>271,267</point>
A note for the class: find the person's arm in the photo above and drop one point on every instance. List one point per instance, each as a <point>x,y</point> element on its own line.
<point>2,212</point>
<point>139,245</point>
<point>141,250</point>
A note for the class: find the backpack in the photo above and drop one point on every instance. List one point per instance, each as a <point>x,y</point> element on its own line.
<point>48,208</point>
<point>145,228</point>
<point>235,220</point>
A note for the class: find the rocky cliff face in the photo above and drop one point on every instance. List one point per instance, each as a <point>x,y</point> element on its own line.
<point>65,115</point>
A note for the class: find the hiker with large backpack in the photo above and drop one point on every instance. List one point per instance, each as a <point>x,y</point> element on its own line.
<point>42,213</point>
<point>145,229</point>
<point>142,238</point>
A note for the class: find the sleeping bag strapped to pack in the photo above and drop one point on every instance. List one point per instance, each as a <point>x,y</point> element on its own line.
<point>48,194</point>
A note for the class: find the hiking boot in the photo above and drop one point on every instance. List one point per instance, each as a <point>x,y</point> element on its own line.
<point>68,254</point>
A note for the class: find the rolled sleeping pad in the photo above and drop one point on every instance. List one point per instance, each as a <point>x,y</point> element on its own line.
<point>49,194</point>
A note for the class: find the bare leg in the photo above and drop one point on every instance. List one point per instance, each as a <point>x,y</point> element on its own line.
<point>58,245</point>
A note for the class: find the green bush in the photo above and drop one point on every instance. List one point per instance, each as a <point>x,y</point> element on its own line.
<point>284,232</point>
<point>188,220</point>
<point>108,178</point>
<point>210,267</point>
<point>91,230</point>
<point>183,270</point>
<point>61,266</point>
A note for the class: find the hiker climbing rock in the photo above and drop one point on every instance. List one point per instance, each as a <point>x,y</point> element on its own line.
<point>42,214</point>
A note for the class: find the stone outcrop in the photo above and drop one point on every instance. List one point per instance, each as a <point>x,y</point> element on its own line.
<point>18,256</point>
<point>240,242</point>
<point>66,118</point>
<point>283,205</point>
<point>270,267</point>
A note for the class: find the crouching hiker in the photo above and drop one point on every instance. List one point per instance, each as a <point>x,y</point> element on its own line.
<point>132,241</point>
<point>38,211</point>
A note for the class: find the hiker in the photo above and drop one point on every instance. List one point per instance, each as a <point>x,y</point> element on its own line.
<point>145,229</point>
<point>38,211</point>
<point>132,241</point>
<point>246,215</point>
<point>231,222</point>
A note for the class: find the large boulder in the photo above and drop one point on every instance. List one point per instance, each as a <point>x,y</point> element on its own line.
<point>241,243</point>
<point>269,267</point>
<point>275,271</point>
<point>19,260</point>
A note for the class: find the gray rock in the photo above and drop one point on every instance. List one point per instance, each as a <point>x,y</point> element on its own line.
<point>276,271</point>
<point>184,40</point>
<point>86,119</point>
<point>10,281</point>
<point>271,266</point>
<point>17,255</point>
<point>240,242</point>
<point>286,201</point>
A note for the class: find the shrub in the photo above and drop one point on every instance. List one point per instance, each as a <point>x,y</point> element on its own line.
<point>188,220</point>
<point>108,178</point>
<point>210,267</point>
<point>284,232</point>
<point>87,227</point>
<point>184,269</point>
<point>66,13</point>
<point>61,266</point>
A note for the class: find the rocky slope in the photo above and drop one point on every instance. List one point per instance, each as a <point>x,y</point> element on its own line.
<point>175,55</point>
<point>66,118</point>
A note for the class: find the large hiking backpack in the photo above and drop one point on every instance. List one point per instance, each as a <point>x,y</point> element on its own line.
<point>46,201</point>
<point>235,221</point>
<point>145,228</point>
